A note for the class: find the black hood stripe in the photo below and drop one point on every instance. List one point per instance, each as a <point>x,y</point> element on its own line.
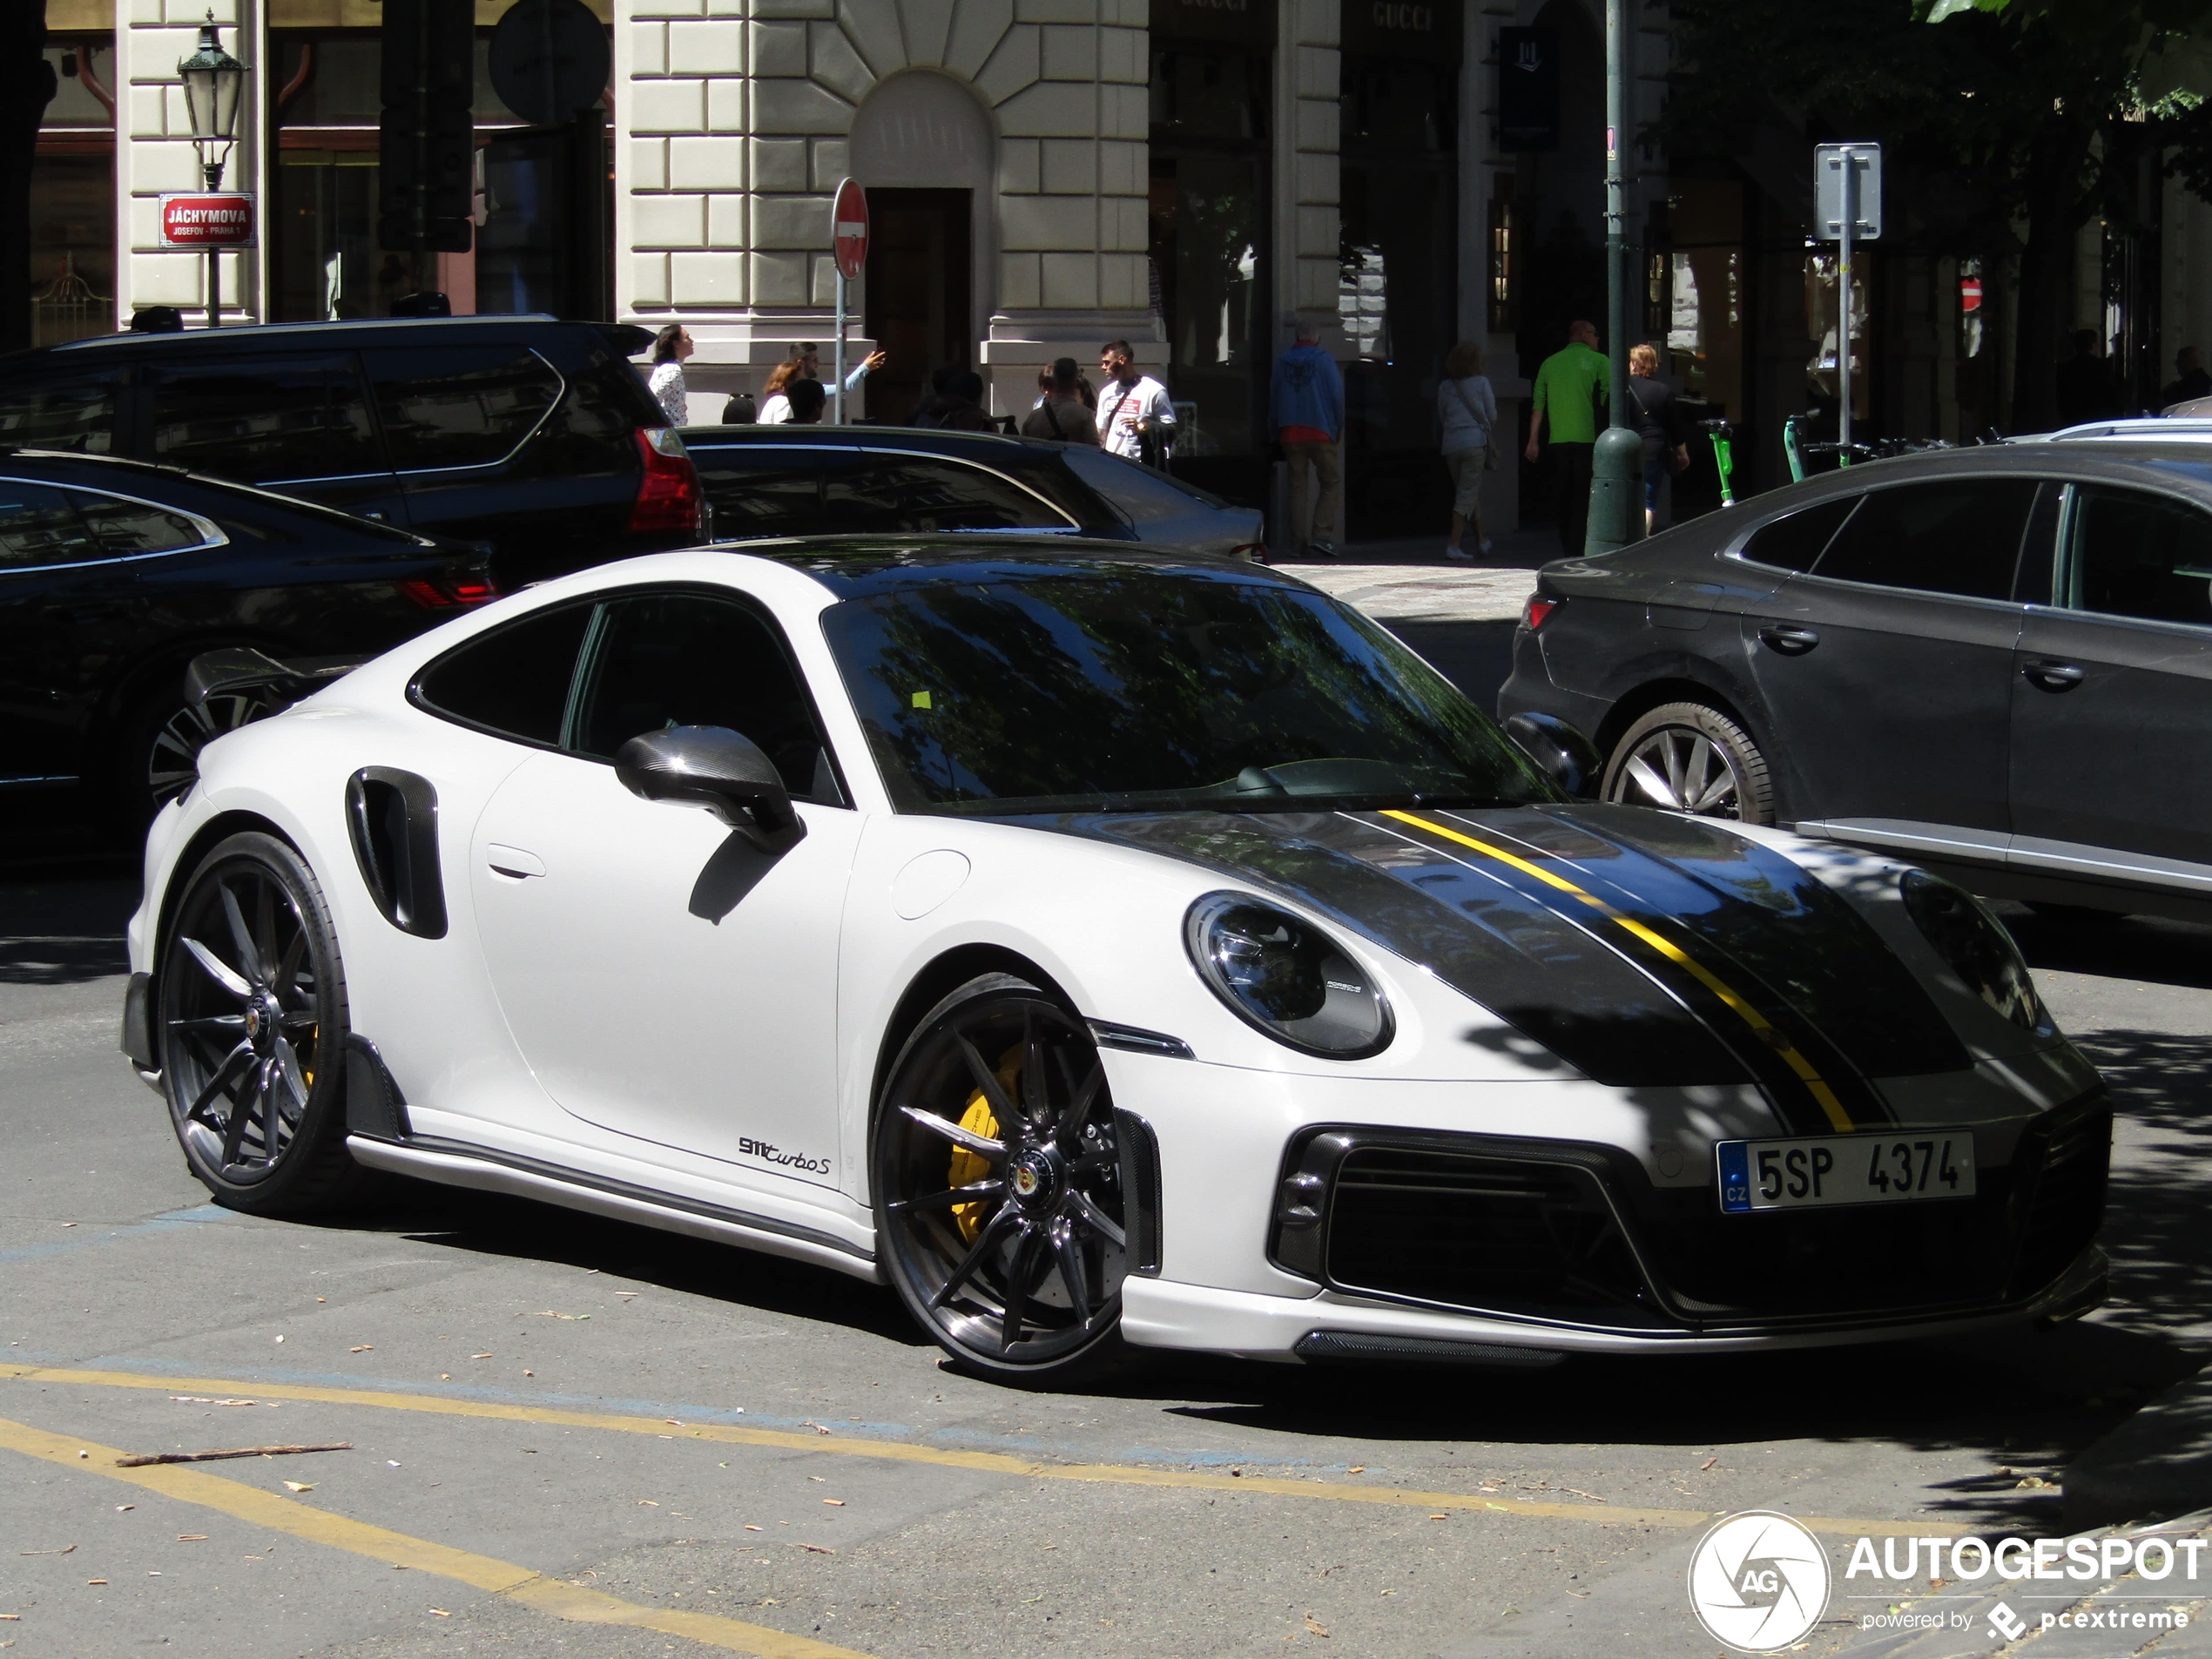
<point>1764,1030</point>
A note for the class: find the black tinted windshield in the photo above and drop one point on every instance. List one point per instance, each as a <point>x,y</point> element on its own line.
<point>1138,688</point>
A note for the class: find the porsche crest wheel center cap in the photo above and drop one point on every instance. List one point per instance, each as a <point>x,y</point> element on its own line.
<point>1033,1180</point>
<point>262,1017</point>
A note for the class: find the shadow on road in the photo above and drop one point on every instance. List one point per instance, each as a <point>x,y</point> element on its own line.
<point>2149,948</point>
<point>67,930</point>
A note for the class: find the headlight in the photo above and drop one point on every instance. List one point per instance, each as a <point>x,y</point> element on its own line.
<point>1977,948</point>
<point>1286,977</point>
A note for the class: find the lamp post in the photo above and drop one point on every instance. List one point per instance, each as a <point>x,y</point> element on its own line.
<point>1616,474</point>
<point>212,80</point>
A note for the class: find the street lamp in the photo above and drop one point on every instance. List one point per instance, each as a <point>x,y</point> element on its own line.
<point>212,80</point>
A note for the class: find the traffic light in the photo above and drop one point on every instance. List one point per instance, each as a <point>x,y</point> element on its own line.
<point>427,156</point>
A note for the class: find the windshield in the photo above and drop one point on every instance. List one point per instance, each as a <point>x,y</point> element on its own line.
<point>1131,689</point>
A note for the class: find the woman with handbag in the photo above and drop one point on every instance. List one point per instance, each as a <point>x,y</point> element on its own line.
<point>1666,447</point>
<point>1467,408</point>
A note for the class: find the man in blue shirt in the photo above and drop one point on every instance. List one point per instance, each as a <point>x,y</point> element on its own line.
<point>1307,414</point>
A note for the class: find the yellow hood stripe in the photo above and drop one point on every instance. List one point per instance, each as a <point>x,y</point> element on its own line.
<point>1766,1028</point>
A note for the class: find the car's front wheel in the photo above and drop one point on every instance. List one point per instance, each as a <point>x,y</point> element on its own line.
<point>997,1185</point>
<point>1688,757</point>
<point>252,1032</point>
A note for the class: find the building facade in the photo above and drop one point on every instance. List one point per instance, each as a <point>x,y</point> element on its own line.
<point>1044,175</point>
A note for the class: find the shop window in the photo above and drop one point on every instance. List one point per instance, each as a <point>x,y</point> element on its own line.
<point>1504,287</point>
<point>1705,293</point>
<point>1823,288</point>
<point>72,196</point>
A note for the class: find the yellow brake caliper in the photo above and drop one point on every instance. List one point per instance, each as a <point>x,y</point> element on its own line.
<point>979,1119</point>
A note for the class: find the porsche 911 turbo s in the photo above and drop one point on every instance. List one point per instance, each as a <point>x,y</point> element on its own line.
<point>1102,949</point>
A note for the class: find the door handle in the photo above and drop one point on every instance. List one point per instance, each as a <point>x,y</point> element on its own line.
<point>2052,676</point>
<point>512,860</point>
<point>1787,639</point>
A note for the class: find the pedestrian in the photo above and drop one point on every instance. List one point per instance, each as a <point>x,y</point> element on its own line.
<point>1135,418</point>
<point>2085,388</point>
<point>810,365</point>
<point>1666,443</point>
<point>1564,407</point>
<point>775,406</point>
<point>961,408</point>
<point>1306,409</point>
<point>1060,413</point>
<point>1466,408</point>
<point>807,399</point>
<point>671,347</point>
<point>2191,382</point>
<point>932,401</point>
<point>741,410</point>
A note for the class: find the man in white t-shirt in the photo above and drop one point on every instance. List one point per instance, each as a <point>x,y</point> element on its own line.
<point>1128,397</point>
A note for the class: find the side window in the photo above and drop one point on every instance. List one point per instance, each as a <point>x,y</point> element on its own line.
<point>512,682</point>
<point>39,527</point>
<point>263,419</point>
<point>459,405</point>
<point>1796,539</point>
<point>2133,554</point>
<point>757,489</point>
<point>669,659</point>
<point>124,526</point>
<point>78,413</point>
<point>878,494</point>
<point>1962,537</point>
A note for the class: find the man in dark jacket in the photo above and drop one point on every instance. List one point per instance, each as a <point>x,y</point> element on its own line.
<point>2191,381</point>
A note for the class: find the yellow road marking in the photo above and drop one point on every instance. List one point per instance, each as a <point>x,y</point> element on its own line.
<point>553,1596</point>
<point>1817,1085</point>
<point>944,1457</point>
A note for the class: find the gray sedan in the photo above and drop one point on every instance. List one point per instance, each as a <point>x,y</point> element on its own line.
<point>1995,661</point>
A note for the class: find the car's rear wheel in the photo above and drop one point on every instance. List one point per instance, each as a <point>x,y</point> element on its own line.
<point>1688,757</point>
<point>252,1032</point>
<point>998,1185</point>
<point>158,754</point>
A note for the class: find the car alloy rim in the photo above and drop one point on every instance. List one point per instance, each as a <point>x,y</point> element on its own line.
<point>1004,1198</point>
<point>241,1005</point>
<point>1679,767</point>
<point>172,760</point>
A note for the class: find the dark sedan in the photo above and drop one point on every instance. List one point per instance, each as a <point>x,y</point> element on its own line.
<point>115,573</point>
<point>1997,661</point>
<point>763,481</point>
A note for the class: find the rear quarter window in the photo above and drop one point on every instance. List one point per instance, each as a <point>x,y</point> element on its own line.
<point>459,405</point>
<point>72,412</point>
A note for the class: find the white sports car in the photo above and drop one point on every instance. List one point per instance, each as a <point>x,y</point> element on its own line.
<point>1103,948</point>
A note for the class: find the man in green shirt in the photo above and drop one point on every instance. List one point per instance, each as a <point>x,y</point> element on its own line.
<point>1565,401</point>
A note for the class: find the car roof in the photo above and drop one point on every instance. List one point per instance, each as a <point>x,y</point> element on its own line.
<point>2154,429</point>
<point>362,331</point>
<point>859,566</point>
<point>996,445</point>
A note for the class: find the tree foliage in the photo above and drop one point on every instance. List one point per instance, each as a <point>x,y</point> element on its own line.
<point>2006,125</point>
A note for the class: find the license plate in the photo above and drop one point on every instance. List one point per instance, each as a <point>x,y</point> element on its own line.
<point>1817,1171</point>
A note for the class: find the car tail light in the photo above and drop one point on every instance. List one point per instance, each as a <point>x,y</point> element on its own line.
<point>1254,551</point>
<point>668,495</point>
<point>1538,610</point>
<point>450,592</point>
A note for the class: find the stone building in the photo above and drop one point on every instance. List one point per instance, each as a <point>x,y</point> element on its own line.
<point>1047,174</point>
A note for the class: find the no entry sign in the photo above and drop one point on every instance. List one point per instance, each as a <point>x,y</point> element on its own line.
<point>221,219</point>
<point>849,228</point>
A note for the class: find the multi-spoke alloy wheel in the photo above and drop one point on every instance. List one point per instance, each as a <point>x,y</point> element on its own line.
<point>161,741</point>
<point>1690,759</point>
<point>254,1029</point>
<point>998,1185</point>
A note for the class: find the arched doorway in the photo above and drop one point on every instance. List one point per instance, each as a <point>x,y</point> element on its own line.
<point>922,147</point>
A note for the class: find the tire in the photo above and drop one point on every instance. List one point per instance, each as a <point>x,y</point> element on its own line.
<point>157,746</point>
<point>954,1262</point>
<point>1687,758</point>
<point>252,1033</point>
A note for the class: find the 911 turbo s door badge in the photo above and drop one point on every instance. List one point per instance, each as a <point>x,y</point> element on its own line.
<point>1764,1029</point>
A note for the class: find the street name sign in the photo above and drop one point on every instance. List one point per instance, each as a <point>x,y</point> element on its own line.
<point>207,218</point>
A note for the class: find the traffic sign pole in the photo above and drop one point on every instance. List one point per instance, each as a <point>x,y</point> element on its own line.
<point>849,248</point>
<point>1843,314</point>
<point>1847,205</point>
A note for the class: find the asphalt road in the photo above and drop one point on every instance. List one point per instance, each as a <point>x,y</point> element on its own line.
<point>585,1438</point>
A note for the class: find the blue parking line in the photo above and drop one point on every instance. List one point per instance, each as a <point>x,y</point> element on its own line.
<point>195,1217</point>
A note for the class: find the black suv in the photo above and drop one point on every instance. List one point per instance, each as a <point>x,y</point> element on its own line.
<point>532,436</point>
